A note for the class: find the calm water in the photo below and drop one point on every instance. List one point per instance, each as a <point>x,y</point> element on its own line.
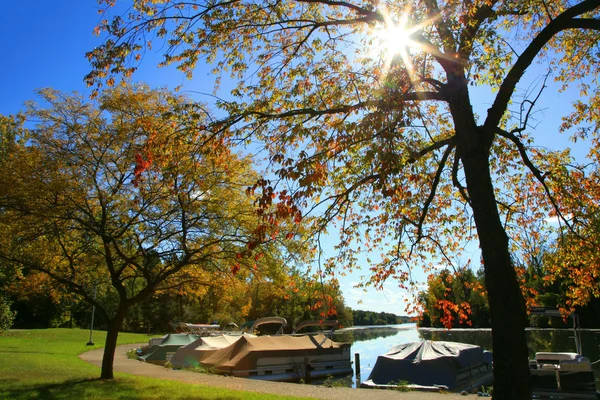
<point>370,342</point>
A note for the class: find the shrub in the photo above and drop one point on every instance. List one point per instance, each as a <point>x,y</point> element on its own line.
<point>7,316</point>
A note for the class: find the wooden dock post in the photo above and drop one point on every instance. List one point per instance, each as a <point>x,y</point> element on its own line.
<point>307,377</point>
<point>357,369</point>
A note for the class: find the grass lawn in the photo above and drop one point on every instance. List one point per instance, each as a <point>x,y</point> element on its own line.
<point>44,364</point>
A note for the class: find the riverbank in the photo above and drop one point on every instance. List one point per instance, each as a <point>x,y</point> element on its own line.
<point>134,367</point>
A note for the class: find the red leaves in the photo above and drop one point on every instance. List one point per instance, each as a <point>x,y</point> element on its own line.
<point>141,165</point>
<point>235,268</point>
<point>451,311</point>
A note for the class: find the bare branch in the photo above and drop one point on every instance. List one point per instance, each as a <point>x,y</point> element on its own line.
<point>562,22</point>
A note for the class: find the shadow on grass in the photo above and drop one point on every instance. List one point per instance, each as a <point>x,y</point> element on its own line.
<point>88,388</point>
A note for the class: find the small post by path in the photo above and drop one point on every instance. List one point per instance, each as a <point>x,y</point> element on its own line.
<point>357,368</point>
<point>307,377</point>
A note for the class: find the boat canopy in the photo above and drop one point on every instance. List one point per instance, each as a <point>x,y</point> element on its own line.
<point>321,324</point>
<point>282,322</point>
<point>427,363</point>
<point>168,346</point>
<point>193,353</point>
<point>245,354</point>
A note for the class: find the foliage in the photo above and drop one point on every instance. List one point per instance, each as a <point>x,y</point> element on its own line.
<point>401,386</point>
<point>126,197</point>
<point>574,261</point>
<point>361,317</point>
<point>455,299</point>
<point>386,145</point>
<point>132,354</point>
<point>486,391</point>
<point>7,316</point>
<point>331,381</point>
<point>11,134</point>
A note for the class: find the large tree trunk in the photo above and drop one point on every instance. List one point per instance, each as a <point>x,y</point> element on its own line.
<point>110,346</point>
<point>507,306</point>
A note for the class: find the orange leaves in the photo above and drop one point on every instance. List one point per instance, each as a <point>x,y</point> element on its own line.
<point>455,299</point>
<point>235,269</point>
<point>451,312</point>
<point>141,164</point>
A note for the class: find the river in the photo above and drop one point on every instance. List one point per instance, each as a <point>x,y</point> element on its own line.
<point>371,341</point>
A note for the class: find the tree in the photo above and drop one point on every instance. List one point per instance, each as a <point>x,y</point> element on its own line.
<point>455,299</point>
<point>386,143</point>
<point>574,262</point>
<point>118,199</point>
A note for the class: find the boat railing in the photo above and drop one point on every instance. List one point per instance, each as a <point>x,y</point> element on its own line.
<point>282,322</point>
<point>326,327</point>
<point>555,312</point>
<point>203,329</point>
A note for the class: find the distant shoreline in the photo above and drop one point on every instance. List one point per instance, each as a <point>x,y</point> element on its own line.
<point>397,327</point>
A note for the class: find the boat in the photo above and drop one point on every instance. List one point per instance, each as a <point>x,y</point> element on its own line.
<point>161,350</point>
<point>284,358</point>
<point>566,375</point>
<point>432,366</point>
<point>198,338</point>
<point>193,353</point>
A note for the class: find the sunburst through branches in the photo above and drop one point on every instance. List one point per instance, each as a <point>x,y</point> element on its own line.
<point>395,38</point>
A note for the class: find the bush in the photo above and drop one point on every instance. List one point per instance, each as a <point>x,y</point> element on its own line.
<point>7,316</point>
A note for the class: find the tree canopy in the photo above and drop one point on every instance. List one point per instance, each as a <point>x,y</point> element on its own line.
<point>384,141</point>
<point>119,199</point>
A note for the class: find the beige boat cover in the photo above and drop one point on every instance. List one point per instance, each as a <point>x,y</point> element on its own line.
<point>244,354</point>
<point>193,353</point>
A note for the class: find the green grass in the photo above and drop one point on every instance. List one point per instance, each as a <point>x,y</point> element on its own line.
<point>44,364</point>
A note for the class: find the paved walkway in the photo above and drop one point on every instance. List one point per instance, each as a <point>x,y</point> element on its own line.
<point>134,367</point>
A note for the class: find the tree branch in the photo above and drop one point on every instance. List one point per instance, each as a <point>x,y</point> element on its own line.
<point>534,170</point>
<point>461,189</point>
<point>432,192</point>
<point>562,22</point>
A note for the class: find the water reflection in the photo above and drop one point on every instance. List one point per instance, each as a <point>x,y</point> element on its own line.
<point>371,342</point>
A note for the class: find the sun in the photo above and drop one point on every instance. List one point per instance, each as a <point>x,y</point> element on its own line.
<point>396,38</point>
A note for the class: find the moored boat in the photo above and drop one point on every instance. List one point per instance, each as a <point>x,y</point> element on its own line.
<point>160,350</point>
<point>192,354</point>
<point>432,366</point>
<point>566,375</point>
<point>282,358</point>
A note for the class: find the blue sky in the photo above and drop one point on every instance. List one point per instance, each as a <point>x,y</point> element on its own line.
<point>43,44</point>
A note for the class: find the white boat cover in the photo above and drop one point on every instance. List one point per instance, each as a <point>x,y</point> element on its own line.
<point>427,363</point>
<point>193,353</point>
<point>250,353</point>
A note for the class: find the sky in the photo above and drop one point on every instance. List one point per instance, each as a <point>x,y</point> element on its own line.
<point>43,44</point>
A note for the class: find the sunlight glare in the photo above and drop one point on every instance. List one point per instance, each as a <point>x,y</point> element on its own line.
<point>395,39</point>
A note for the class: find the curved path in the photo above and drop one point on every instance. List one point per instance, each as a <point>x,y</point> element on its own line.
<point>134,367</point>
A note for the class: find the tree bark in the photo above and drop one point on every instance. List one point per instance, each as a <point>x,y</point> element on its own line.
<point>507,305</point>
<point>110,345</point>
